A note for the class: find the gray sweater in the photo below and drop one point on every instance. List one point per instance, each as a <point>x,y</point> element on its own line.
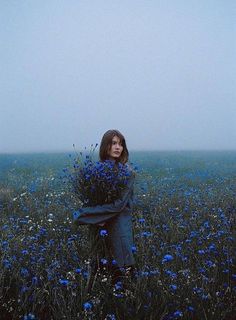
<point>118,223</point>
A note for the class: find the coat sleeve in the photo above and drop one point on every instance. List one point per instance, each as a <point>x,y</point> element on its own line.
<point>102,213</point>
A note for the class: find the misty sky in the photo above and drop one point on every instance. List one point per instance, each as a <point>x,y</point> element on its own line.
<point>162,72</point>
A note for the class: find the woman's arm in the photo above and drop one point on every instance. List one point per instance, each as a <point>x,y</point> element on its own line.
<point>102,213</point>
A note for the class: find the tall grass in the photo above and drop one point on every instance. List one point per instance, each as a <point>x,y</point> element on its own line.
<point>184,236</point>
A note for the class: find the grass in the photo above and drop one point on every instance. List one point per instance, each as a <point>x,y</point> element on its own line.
<point>184,233</point>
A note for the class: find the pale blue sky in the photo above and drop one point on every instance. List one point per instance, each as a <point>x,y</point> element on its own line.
<point>162,72</point>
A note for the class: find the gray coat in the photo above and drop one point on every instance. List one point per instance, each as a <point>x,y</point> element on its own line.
<point>118,223</point>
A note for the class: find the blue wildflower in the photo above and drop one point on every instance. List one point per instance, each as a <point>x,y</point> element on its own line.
<point>24,289</point>
<point>206,225</point>
<point>178,314</point>
<point>209,263</point>
<point>76,214</point>
<point>87,306</point>
<point>5,244</point>
<point>118,285</point>
<point>64,282</point>
<point>110,317</point>
<point>7,264</point>
<point>170,273</point>
<point>103,233</point>
<point>43,231</point>
<point>212,247</point>
<point>146,234</point>
<point>34,280</point>
<point>225,271</point>
<point>193,234</point>
<point>24,272</point>
<point>190,308</point>
<point>78,270</point>
<point>104,261</point>
<point>173,287</point>
<point>167,257</point>
<point>85,274</point>
<point>201,251</point>
<point>114,262</point>
<point>29,316</point>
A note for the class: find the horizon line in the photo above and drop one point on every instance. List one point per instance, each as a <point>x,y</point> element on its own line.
<point>130,150</point>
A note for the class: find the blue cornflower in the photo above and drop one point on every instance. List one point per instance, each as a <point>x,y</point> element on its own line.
<point>6,264</point>
<point>29,316</point>
<point>202,270</point>
<point>170,273</point>
<point>5,244</point>
<point>34,280</point>
<point>119,295</point>
<point>190,308</point>
<point>197,290</point>
<point>70,240</point>
<point>188,240</point>
<point>154,272</point>
<point>103,233</point>
<point>24,272</point>
<point>165,227</point>
<point>167,257</point>
<point>76,214</point>
<point>206,225</point>
<point>85,274</point>
<point>193,234</point>
<point>110,317</point>
<point>134,249</point>
<point>104,261</point>
<point>64,282</point>
<point>78,270</point>
<point>178,314</point>
<point>209,263</point>
<point>43,231</point>
<point>201,251</point>
<point>212,247</point>
<point>173,287</point>
<point>24,289</point>
<point>146,234</point>
<point>118,285</point>
<point>87,306</point>
<point>225,271</point>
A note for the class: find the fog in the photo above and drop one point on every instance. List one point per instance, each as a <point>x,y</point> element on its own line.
<point>161,72</point>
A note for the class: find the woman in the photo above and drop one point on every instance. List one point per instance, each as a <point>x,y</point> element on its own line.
<point>115,218</point>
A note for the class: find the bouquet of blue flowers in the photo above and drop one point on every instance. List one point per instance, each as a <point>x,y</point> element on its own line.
<point>98,182</point>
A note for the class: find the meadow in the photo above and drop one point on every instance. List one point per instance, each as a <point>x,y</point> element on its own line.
<point>184,241</point>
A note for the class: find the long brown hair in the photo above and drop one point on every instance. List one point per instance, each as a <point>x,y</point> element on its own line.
<point>106,146</point>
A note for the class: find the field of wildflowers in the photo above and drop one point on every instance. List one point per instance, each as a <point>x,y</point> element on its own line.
<point>184,241</point>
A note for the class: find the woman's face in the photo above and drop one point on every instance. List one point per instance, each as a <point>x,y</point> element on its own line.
<point>116,148</point>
